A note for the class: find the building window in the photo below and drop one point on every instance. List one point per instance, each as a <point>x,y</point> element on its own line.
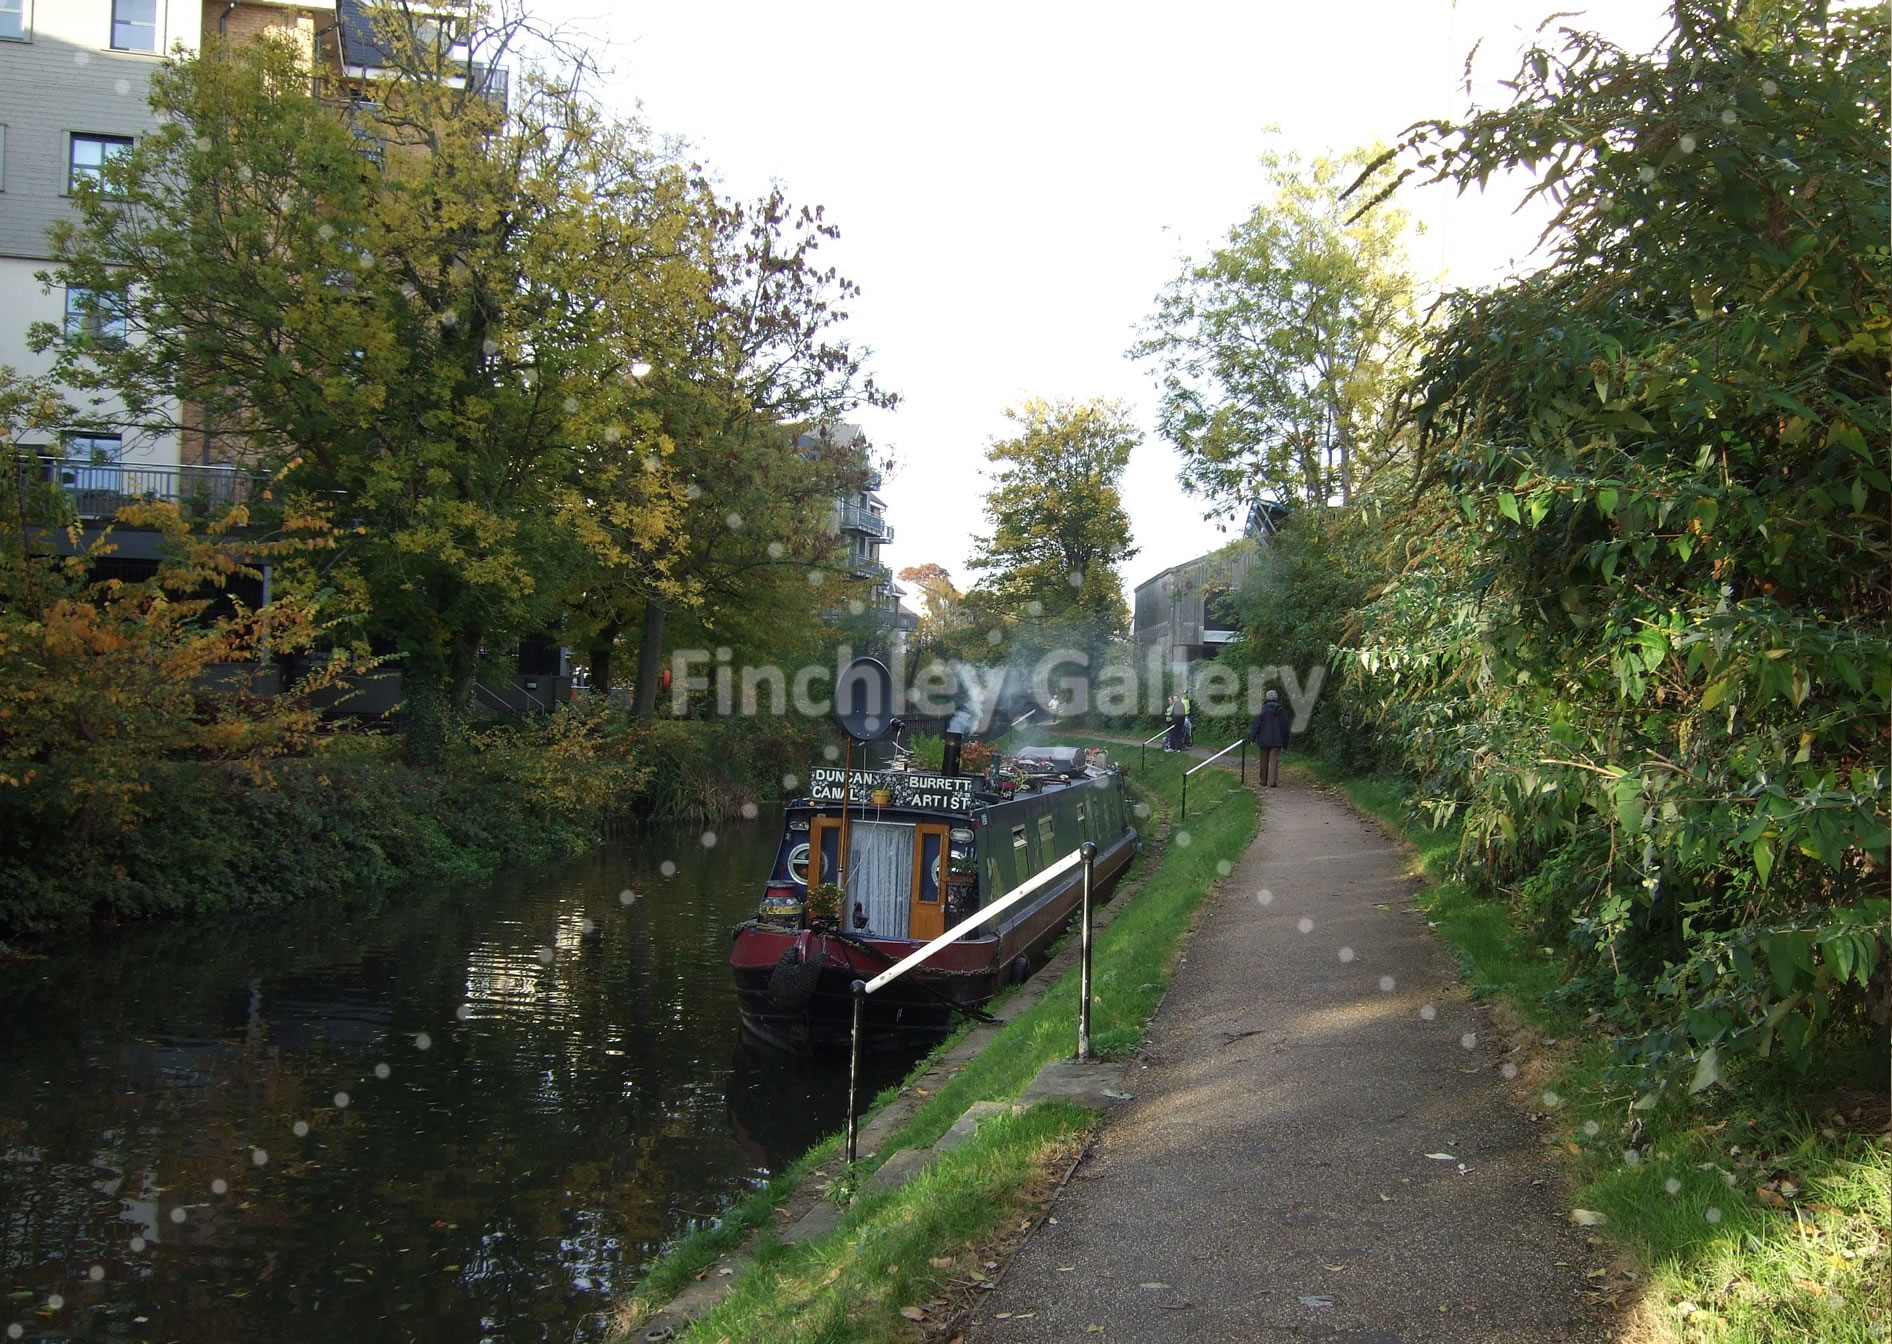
<point>134,25</point>
<point>90,464</point>
<point>90,154</point>
<point>93,318</point>
<point>13,20</point>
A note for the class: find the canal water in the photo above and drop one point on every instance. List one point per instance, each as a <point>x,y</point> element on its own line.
<point>458,1116</point>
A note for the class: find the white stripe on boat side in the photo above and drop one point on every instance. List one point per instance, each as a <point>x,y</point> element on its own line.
<point>966,926</point>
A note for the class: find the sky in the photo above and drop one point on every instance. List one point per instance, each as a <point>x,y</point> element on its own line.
<point>1016,182</point>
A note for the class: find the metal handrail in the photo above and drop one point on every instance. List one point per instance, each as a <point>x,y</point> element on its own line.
<point>98,488</point>
<point>1143,752</point>
<point>1083,854</point>
<point>1183,815</point>
<point>958,931</point>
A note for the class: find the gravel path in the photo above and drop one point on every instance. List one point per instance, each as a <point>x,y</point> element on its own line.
<point>1324,1144</point>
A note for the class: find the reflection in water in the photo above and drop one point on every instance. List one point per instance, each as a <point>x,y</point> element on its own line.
<point>470,1115</point>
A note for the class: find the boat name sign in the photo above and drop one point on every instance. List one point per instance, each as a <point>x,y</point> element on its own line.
<point>910,788</point>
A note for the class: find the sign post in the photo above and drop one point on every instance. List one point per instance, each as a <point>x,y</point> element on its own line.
<point>863,706</point>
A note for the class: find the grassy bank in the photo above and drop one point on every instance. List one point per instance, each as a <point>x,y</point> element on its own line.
<point>352,816</point>
<point>901,1256</point>
<point>1756,1213</point>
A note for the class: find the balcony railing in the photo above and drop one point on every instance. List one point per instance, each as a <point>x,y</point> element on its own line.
<point>101,489</point>
<point>855,518</point>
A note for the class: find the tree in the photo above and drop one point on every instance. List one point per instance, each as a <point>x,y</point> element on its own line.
<point>749,385</point>
<point>1639,636</point>
<point>104,674</point>
<point>939,602</point>
<point>421,311</point>
<point>1058,523</point>
<point>1276,357</point>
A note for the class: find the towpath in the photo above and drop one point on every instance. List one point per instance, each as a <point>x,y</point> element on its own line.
<point>1326,1141</point>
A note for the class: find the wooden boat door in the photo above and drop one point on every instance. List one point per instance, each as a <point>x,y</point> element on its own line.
<point>930,850</point>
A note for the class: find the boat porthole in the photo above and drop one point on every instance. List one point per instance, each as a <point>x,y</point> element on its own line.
<point>798,864</point>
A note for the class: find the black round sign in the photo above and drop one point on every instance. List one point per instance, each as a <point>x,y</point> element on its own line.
<point>863,699</point>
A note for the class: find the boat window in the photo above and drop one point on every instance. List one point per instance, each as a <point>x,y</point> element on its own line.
<point>1047,841</point>
<point>1018,837</point>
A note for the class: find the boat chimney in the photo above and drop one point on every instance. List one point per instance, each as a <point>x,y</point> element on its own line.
<point>949,762</point>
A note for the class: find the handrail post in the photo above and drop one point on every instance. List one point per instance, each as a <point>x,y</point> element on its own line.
<point>1185,798</point>
<point>1244,761</point>
<point>854,1068</point>
<point>1089,851</point>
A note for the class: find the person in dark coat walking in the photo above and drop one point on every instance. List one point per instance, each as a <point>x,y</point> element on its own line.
<point>1270,733</point>
<point>1178,725</point>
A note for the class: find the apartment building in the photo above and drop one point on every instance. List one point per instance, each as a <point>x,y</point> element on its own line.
<point>74,80</point>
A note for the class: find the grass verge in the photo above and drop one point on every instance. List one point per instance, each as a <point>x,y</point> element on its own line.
<point>1758,1214</point>
<point>970,1197</point>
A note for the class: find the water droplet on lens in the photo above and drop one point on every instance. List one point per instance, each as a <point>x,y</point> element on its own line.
<point>668,868</point>
<point>96,1273</point>
<point>1386,984</point>
<point>1304,924</point>
<point>1469,1040</point>
<point>1224,867</point>
<point>1346,954</point>
<point>341,1101</point>
<point>300,1129</point>
<point>1428,1012</point>
<point>382,1070</point>
<point>220,1186</point>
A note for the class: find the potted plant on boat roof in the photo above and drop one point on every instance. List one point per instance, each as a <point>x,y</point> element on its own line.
<point>824,901</point>
<point>962,872</point>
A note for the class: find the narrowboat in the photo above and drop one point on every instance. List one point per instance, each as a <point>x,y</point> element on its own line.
<point>927,850</point>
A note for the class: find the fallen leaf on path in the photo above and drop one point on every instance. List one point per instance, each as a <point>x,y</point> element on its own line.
<point>942,1262</point>
<point>1152,1285</point>
<point>1588,1218</point>
<point>1443,1157</point>
<point>1317,1300</point>
<point>1809,1286</point>
<point>1066,1269</point>
<point>913,1313</point>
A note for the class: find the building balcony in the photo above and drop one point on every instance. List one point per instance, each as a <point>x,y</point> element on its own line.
<point>864,522</point>
<point>872,571</point>
<point>101,489</point>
